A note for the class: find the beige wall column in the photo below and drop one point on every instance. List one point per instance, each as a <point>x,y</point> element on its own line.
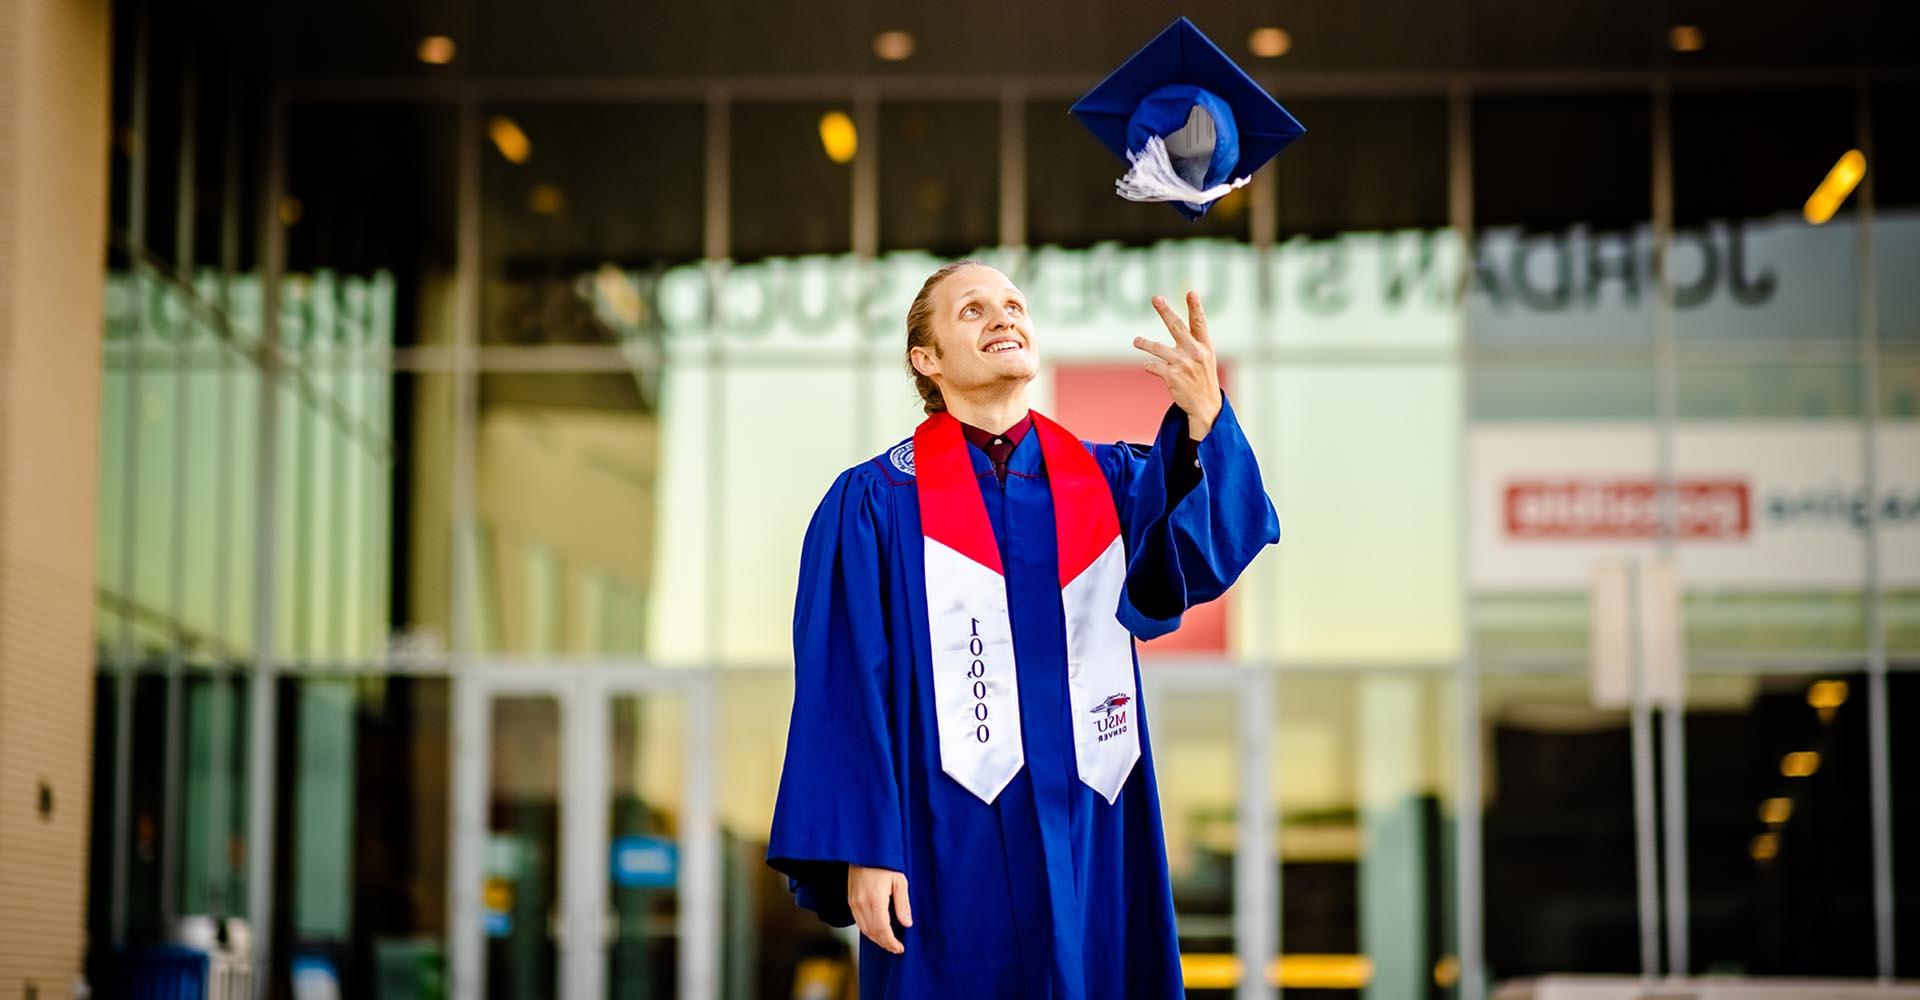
<point>54,105</point>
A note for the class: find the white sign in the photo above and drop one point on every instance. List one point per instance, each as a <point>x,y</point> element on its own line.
<point>1760,505</point>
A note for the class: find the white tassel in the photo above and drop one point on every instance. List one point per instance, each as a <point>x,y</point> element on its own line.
<point>1152,178</point>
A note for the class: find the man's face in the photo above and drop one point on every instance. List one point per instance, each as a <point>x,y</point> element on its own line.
<point>982,330</point>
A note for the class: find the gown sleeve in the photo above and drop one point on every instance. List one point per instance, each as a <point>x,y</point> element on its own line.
<point>839,798</point>
<point>1188,537</point>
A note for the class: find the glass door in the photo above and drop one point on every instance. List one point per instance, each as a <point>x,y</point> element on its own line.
<point>582,835</point>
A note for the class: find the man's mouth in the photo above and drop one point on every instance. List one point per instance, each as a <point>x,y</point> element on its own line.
<point>1000,346</point>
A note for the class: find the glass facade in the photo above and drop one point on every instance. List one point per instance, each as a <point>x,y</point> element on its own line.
<point>458,444</point>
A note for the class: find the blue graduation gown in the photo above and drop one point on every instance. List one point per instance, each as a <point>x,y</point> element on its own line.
<point>1048,892</point>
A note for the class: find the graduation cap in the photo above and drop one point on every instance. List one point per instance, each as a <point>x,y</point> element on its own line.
<point>1190,123</point>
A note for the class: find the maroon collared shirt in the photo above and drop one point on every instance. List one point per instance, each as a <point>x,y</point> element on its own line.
<point>999,448</point>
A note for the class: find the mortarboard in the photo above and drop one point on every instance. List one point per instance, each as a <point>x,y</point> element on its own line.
<point>1191,124</point>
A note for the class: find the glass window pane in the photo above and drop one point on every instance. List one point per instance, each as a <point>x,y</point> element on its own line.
<point>1195,750</point>
<point>1558,829</point>
<point>363,832</point>
<point>1779,839</point>
<point>364,506</point>
<point>522,857</point>
<point>1898,455</point>
<point>370,196</point>
<point>1903,700</point>
<point>1562,198</point>
<point>1364,165</point>
<point>1748,262</point>
<point>1363,764</point>
<point>791,180</point>
<point>1551,163</point>
<point>644,772</point>
<point>562,546</point>
<point>939,177</point>
<point>582,208</point>
<point>1895,173</point>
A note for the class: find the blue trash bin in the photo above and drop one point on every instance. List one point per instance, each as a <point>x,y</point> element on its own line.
<point>164,972</point>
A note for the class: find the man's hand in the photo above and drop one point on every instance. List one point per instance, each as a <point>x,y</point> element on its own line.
<point>1188,367</point>
<point>869,891</point>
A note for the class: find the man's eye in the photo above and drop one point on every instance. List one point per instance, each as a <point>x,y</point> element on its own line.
<point>1013,306</point>
<point>970,311</point>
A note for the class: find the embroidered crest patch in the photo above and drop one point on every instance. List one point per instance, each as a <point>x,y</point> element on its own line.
<point>902,457</point>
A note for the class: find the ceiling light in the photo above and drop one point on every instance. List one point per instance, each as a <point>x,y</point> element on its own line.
<point>1686,38</point>
<point>1826,198</point>
<point>1775,811</point>
<point>838,136</point>
<point>436,50</point>
<point>290,210</point>
<point>893,46</point>
<point>1765,848</point>
<point>1800,764</point>
<point>509,139</point>
<point>1269,43</point>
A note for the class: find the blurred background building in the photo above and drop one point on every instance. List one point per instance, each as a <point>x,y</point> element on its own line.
<point>441,420</point>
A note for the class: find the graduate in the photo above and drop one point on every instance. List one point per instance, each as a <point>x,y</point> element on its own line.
<point>969,775</point>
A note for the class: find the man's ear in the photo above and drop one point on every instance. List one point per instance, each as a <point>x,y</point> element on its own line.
<point>924,361</point>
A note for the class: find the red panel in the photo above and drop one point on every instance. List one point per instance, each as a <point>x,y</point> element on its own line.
<point>1122,402</point>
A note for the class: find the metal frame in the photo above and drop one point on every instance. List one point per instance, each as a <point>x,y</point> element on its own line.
<point>584,690</point>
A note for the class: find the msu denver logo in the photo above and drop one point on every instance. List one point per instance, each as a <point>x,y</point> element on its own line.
<point>1113,716</point>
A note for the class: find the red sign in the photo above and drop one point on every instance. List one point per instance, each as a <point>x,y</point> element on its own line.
<point>1562,509</point>
<point>1121,402</point>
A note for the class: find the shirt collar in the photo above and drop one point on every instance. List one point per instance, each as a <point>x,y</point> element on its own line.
<point>981,439</point>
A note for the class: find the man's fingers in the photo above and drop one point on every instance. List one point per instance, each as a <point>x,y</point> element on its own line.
<point>1158,367</point>
<point>1155,348</point>
<point>1167,316</point>
<point>1197,318</point>
<point>882,935</point>
<point>900,903</point>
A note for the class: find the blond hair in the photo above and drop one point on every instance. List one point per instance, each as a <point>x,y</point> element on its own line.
<point>920,332</point>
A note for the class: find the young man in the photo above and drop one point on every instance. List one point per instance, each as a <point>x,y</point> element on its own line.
<point>968,776</point>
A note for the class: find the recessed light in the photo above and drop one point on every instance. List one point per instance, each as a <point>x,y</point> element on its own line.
<point>893,46</point>
<point>509,139</point>
<point>436,50</point>
<point>838,136</point>
<point>1686,38</point>
<point>1269,43</point>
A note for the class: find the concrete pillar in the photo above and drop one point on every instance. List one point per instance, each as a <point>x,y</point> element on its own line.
<point>54,105</point>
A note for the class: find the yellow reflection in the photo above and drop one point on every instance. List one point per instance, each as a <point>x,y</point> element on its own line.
<point>1840,182</point>
<point>1765,847</point>
<point>290,210</point>
<point>1775,811</point>
<point>1269,43</point>
<point>1321,972</point>
<point>545,199</point>
<point>1446,972</point>
<point>838,137</point>
<point>1207,971</point>
<point>1686,38</point>
<point>1800,763</point>
<point>1210,972</point>
<point>436,50</point>
<point>1827,694</point>
<point>509,139</point>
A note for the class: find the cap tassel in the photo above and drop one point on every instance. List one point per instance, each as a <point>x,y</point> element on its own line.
<point>1152,178</point>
